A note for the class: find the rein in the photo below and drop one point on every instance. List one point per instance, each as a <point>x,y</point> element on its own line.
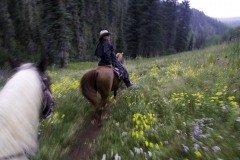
<point>20,154</point>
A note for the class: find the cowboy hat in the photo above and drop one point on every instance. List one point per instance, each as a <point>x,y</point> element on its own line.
<point>104,33</point>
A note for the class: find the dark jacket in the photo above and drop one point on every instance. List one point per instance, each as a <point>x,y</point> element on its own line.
<point>105,51</point>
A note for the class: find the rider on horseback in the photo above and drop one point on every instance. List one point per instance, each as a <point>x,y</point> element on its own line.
<point>105,51</point>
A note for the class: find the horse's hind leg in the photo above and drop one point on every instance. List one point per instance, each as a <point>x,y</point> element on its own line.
<point>100,110</point>
<point>99,116</point>
<point>115,94</point>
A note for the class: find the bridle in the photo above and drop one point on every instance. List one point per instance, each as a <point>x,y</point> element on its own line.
<point>47,102</point>
<point>46,107</point>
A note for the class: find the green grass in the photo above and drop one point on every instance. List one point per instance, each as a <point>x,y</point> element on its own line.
<point>174,96</point>
<point>183,92</point>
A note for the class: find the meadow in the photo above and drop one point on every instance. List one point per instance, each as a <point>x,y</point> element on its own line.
<point>183,106</point>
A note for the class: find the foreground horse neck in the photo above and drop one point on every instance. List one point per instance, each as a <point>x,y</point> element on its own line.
<point>20,102</point>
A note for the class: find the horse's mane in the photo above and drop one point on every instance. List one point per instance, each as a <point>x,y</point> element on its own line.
<point>20,101</point>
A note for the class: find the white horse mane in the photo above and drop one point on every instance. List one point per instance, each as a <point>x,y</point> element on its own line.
<point>20,101</point>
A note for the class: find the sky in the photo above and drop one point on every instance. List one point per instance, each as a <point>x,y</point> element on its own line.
<point>217,8</point>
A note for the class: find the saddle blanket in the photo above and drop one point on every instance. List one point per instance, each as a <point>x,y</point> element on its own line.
<point>117,73</point>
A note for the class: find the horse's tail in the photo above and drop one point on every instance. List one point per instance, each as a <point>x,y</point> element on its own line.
<point>89,86</point>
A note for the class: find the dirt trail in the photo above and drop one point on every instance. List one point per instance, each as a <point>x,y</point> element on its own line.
<point>87,136</point>
<point>86,139</point>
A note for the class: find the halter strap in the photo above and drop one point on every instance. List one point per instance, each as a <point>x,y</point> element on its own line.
<point>20,154</point>
<point>47,102</point>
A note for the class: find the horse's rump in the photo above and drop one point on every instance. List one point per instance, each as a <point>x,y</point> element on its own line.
<point>96,80</point>
<point>89,86</point>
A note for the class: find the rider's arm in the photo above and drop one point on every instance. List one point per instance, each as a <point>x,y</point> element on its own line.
<point>107,51</point>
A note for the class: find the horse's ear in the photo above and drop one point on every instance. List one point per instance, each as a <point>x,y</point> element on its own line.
<point>42,65</point>
<point>13,62</point>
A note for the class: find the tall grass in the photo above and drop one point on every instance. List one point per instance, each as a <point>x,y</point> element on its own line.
<point>183,106</point>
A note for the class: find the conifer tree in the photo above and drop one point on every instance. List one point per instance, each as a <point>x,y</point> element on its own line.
<point>169,24</point>
<point>56,32</point>
<point>6,32</point>
<point>131,28</point>
<point>183,26</point>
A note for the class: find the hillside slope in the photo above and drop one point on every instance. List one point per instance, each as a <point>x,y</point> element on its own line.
<point>204,28</point>
<point>232,22</point>
<point>184,106</point>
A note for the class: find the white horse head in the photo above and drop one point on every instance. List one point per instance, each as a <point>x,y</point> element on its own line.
<point>23,100</point>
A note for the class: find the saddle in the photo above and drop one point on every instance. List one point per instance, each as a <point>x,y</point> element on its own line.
<point>117,73</point>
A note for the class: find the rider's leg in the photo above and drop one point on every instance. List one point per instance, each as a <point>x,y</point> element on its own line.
<point>125,74</point>
<point>126,79</point>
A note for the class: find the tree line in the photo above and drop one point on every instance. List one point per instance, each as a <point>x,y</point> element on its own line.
<point>69,29</point>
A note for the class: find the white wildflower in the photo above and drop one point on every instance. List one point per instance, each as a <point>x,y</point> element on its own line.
<point>196,146</point>
<point>216,149</point>
<point>238,119</point>
<point>117,157</point>
<point>104,157</point>
<point>149,154</point>
<point>131,152</point>
<point>178,131</point>
<point>210,128</point>
<point>124,133</point>
<point>136,150</point>
<point>111,153</point>
<point>185,148</point>
<point>204,135</point>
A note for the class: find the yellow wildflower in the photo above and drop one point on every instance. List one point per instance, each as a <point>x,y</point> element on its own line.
<point>234,104</point>
<point>214,98</point>
<point>160,143</point>
<point>147,126</point>
<point>151,144</point>
<point>198,154</point>
<point>230,98</point>
<point>219,93</point>
<point>133,134</point>
<point>137,135</point>
<point>221,102</point>
<point>146,143</point>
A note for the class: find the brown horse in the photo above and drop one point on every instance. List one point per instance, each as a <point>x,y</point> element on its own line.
<point>100,80</point>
